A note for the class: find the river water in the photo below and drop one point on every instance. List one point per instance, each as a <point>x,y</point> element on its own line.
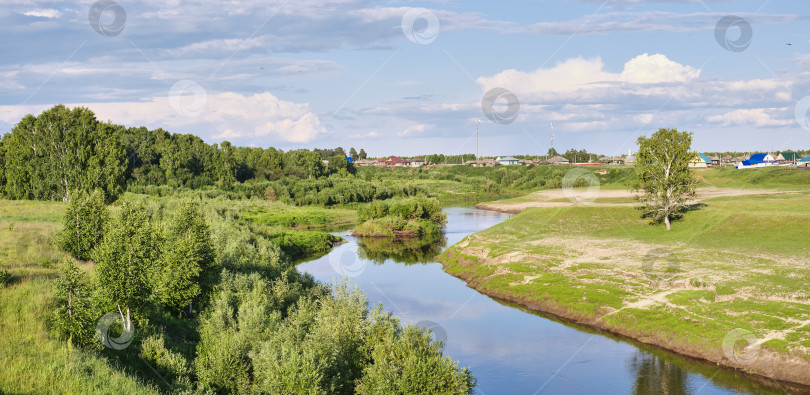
<point>512,351</point>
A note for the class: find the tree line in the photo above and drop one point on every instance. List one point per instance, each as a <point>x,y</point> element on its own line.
<point>45,157</point>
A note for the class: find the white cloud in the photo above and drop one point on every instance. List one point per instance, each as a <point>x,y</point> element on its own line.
<point>754,116</point>
<point>414,130</point>
<point>650,69</point>
<point>259,118</point>
<point>585,79</point>
<point>43,13</point>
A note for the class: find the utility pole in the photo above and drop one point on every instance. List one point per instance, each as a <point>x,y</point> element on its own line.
<point>552,135</point>
<point>477,129</point>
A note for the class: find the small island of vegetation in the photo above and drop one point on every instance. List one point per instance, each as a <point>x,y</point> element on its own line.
<point>401,218</point>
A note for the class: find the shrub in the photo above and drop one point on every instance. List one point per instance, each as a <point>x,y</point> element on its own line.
<point>171,365</point>
<point>74,317</point>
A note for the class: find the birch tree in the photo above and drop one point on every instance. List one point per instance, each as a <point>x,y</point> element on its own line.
<point>125,258</point>
<point>664,179</point>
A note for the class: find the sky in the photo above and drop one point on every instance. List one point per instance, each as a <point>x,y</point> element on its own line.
<point>413,77</point>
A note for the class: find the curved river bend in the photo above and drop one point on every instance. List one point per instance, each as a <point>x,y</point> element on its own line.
<point>509,350</point>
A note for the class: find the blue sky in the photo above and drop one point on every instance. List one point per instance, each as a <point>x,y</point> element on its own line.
<point>408,77</point>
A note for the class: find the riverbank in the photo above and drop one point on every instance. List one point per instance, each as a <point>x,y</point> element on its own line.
<point>733,272</point>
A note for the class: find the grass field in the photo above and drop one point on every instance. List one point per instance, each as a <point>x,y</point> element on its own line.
<point>33,361</point>
<point>734,263</point>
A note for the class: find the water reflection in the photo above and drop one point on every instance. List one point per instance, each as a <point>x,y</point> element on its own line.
<point>511,350</point>
<point>657,376</point>
<point>408,251</point>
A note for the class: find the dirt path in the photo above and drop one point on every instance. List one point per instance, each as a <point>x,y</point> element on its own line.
<point>584,196</point>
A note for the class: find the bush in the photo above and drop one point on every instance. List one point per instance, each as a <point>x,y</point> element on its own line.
<point>75,316</point>
<point>171,365</point>
<point>83,224</point>
<point>409,362</point>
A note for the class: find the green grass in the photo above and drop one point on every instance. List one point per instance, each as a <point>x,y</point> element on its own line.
<point>33,360</point>
<point>751,252</point>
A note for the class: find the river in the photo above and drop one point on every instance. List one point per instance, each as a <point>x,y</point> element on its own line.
<point>512,351</point>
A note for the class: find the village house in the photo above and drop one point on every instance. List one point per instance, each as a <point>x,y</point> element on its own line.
<point>558,160</point>
<point>508,160</point>
<point>788,157</point>
<point>701,160</point>
<point>417,162</point>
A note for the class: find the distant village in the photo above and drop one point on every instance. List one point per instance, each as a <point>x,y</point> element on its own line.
<point>787,158</point>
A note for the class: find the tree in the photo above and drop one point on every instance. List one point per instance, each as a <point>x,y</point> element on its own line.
<point>228,165</point>
<point>664,177</point>
<point>187,272</point>
<point>60,151</point>
<point>551,153</point>
<point>83,224</point>
<point>353,153</point>
<point>339,164</point>
<point>125,258</point>
<point>362,154</point>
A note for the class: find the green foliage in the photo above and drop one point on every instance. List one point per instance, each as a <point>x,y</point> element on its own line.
<point>362,154</point>
<point>83,224</point>
<point>126,257</point>
<point>171,365</point>
<point>62,150</point>
<point>75,316</point>
<point>186,272</point>
<point>340,165</point>
<point>409,362</point>
<point>414,216</point>
<point>664,177</point>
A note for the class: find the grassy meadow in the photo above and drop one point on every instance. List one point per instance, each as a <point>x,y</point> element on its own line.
<point>731,262</point>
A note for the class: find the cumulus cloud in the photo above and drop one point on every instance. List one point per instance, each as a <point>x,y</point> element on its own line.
<point>260,118</point>
<point>586,79</point>
<point>583,95</point>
